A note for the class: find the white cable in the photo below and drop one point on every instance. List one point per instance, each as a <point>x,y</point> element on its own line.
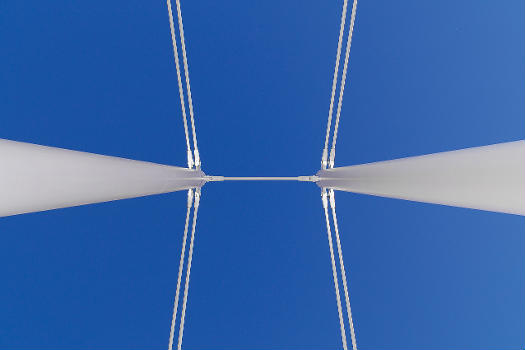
<point>187,74</point>
<point>334,271</point>
<point>334,83</point>
<point>265,178</point>
<point>343,272</point>
<point>214,178</point>
<point>188,268</point>
<point>343,81</point>
<point>181,264</point>
<point>181,91</point>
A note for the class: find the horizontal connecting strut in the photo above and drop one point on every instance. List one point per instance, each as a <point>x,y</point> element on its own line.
<point>312,178</point>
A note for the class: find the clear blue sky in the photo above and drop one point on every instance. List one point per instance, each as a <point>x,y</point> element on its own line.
<point>425,76</point>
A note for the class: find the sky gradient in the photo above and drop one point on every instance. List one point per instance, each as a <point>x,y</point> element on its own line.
<point>424,77</point>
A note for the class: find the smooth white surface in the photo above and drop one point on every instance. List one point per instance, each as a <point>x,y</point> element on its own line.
<point>35,178</point>
<point>488,178</point>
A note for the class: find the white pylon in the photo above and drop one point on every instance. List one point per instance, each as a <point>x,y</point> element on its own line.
<point>35,178</point>
<point>487,178</point>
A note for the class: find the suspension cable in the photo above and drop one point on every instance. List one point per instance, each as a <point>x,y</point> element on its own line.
<point>181,264</point>
<point>334,83</point>
<point>343,81</point>
<point>334,271</point>
<point>188,268</point>
<point>181,91</point>
<point>187,74</point>
<point>343,272</point>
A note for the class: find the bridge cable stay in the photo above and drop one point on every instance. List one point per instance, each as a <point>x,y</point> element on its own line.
<point>324,199</point>
<point>324,157</point>
<point>343,272</point>
<point>330,163</point>
<point>188,266</point>
<point>181,265</point>
<point>181,91</point>
<point>187,75</point>
<point>343,81</point>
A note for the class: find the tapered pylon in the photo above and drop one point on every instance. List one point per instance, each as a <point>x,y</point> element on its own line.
<point>487,178</point>
<point>35,178</point>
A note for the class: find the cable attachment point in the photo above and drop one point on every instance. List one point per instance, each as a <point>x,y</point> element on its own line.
<point>190,197</point>
<point>312,178</point>
<point>197,197</point>
<point>214,178</point>
<point>331,162</point>
<point>324,196</point>
<point>197,159</point>
<point>324,159</point>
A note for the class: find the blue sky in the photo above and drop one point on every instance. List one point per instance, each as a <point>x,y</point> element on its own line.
<point>424,77</point>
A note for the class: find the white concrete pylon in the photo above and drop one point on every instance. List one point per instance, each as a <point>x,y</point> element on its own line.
<point>488,178</point>
<point>36,178</point>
